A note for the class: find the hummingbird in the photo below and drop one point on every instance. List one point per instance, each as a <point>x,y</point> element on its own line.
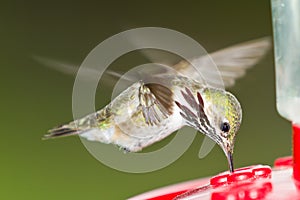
<point>157,105</point>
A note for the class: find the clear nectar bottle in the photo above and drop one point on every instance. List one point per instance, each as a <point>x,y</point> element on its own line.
<point>286,30</point>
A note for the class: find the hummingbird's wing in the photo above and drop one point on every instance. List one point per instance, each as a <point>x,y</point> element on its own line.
<point>232,62</point>
<point>152,118</point>
<point>156,102</point>
<point>88,75</point>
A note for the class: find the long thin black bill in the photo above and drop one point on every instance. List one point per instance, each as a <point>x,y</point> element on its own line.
<point>230,162</point>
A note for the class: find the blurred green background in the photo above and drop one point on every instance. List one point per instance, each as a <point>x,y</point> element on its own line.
<point>35,98</point>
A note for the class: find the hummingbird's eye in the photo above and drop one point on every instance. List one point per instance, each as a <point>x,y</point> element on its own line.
<point>225,127</point>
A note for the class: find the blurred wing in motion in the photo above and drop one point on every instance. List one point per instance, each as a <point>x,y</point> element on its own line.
<point>232,62</point>
<point>88,73</point>
<point>59,66</point>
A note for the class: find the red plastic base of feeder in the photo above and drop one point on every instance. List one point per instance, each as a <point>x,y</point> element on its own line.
<point>249,183</point>
<point>283,162</point>
<point>296,155</point>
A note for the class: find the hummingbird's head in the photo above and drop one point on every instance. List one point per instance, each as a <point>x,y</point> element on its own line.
<point>225,114</point>
<point>216,113</point>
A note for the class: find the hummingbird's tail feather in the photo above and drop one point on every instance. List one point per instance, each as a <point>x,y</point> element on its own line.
<point>61,131</point>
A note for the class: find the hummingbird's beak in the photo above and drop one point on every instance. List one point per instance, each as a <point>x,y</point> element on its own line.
<point>228,150</point>
<point>230,161</point>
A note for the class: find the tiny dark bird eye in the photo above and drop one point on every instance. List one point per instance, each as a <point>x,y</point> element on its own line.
<point>225,127</point>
